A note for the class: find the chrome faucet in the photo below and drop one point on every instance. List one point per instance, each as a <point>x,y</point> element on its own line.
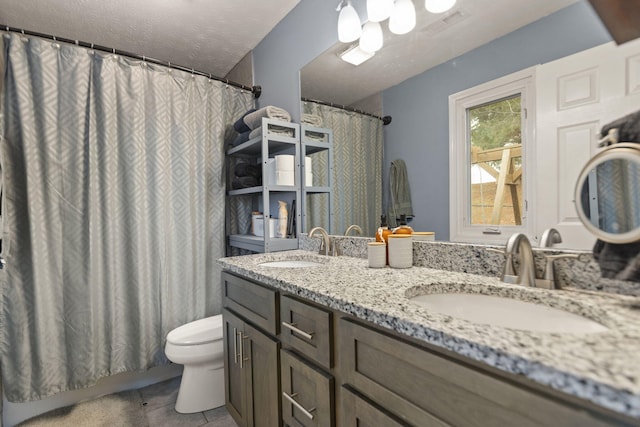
<point>519,244</point>
<point>550,236</point>
<point>325,245</point>
<point>355,228</point>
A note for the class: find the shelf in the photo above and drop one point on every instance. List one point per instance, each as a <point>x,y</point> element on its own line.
<point>260,244</point>
<point>317,190</point>
<point>244,191</point>
<point>266,146</point>
<point>253,147</point>
<point>315,147</point>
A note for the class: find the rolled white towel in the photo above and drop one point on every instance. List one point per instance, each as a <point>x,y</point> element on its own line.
<point>312,119</point>
<point>254,120</point>
<point>274,129</point>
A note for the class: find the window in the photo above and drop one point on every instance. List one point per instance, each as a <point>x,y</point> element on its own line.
<point>491,156</point>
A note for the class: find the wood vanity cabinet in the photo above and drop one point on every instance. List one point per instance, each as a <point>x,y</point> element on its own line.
<point>292,362</point>
<point>251,355</point>
<point>418,386</point>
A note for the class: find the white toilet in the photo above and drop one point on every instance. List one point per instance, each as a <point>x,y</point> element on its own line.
<point>198,346</point>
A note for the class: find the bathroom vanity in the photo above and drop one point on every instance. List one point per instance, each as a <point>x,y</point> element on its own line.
<point>337,343</point>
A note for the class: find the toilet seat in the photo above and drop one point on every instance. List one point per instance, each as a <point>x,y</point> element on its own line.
<point>197,332</point>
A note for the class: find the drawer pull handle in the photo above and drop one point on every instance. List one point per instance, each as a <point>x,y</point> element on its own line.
<point>291,399</point>
<point>292,327</point>
<point>241,356</point>
<point>235,346</point>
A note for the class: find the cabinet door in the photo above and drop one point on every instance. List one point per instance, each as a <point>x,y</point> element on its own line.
<point>358,412</point>
<point>260,361</point>
<point>234,383</point>
<point>307,393</point>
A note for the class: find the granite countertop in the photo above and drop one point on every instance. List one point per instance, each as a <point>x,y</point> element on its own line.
<point>601,367</point>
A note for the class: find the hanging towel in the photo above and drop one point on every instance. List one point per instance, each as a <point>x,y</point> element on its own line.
<point>628,128</point>
<point>254,120</point>
<point>620,262</point>
<point>400,193</point>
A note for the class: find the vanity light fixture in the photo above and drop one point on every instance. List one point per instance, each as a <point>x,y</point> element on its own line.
<point>354,55</point>
<point>371,39</point>
<point>403,17</point>
<point>379,10</point>
<point>349,29</point>
<point>438,6</point>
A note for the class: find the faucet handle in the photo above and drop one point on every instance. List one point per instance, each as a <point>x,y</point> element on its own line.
<point>548,280</point>
<point>509,274</point>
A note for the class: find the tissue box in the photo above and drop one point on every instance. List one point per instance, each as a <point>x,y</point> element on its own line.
<point>257,225</point>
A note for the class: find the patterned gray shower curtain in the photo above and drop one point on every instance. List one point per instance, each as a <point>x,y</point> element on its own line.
<point>357,170</point>
<point>114,217</point>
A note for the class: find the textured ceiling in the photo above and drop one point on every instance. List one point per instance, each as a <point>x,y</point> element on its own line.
<point>209,35</point>
<point>435,40</point>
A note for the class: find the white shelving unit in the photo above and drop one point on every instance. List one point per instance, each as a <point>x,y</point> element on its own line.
<point>272,142</point>
<point>317,140</point>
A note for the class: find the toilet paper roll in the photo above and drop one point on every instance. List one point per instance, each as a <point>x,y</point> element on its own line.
<point>308,171</point>
<point>285,162</point>
<point>285,178</point>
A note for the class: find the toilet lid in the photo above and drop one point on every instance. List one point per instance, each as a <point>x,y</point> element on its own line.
<point>197,332</point>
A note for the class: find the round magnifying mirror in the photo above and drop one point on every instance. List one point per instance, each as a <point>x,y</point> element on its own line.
<point>608,194</point>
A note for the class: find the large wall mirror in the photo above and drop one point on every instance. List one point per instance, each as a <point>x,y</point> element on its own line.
<point>471,44</point>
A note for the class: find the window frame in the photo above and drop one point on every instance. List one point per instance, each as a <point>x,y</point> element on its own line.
<point>523,83</point>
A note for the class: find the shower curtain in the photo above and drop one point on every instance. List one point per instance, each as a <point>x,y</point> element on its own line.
<point>114,217</point>
<point>357,170</point>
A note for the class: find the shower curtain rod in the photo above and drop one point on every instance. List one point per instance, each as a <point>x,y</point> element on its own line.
<point>256,90</point>
<point>385,120</point>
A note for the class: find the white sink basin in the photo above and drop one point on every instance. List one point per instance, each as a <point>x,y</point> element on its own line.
<point>507,312</point>
<point>293,263</point>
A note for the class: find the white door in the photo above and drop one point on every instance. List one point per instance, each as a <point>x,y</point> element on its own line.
<point>576,96</point>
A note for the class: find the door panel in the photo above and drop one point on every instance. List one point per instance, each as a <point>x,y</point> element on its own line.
<point>575,97</point>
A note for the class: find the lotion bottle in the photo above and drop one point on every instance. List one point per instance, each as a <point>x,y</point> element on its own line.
<point>282,219</point>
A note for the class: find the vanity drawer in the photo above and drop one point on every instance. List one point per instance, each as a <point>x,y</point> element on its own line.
<point>357,411</point>
<point>256,303</point>
<point>307,393</point>
<point>307,329</point>
<point>423,387</point>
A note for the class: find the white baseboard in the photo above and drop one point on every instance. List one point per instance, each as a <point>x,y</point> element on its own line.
<point>15,413</point>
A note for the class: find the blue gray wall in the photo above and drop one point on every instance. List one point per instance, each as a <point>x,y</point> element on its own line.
<point>419,133</point>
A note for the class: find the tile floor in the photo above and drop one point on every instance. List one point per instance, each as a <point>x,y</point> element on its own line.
<point>152,406</point>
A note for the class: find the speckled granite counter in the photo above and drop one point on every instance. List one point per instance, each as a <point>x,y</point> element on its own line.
<point>603,367</point>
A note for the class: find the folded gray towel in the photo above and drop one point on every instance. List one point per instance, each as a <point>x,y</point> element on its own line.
<point>254,120</point>
<point>240,126</point>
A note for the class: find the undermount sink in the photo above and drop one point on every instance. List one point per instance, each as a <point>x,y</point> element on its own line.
<point>292,263</point>
<point>507,312</point>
